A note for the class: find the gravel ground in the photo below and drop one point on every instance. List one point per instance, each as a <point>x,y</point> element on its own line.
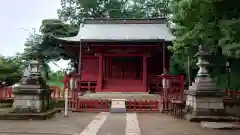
<point>114,124</point>
<point>160,124</point>
<point>75,123</point>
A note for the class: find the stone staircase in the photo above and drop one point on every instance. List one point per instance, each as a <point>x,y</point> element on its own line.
<point>121,95</point>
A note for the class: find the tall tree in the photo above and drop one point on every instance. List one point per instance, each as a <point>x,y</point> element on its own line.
<point>10,70</point>
<point>211,23</point>
<point>74,11</point>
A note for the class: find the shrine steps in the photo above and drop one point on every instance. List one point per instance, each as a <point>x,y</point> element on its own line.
<point>123,86</point>
<point>121,95</point>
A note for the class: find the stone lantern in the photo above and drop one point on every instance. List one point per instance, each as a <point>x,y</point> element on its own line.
<point>203,99</point>
<point>31,95</point>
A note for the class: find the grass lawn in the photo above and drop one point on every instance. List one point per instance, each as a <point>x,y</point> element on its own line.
<point>55,83</point>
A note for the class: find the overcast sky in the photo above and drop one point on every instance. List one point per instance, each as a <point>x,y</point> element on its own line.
<point>16,15</point>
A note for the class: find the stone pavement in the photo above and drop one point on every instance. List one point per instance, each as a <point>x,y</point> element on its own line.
<point>108,124</point>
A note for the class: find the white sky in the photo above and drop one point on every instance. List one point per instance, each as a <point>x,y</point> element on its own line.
<point>16,15</point>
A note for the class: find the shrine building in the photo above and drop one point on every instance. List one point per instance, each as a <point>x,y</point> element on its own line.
<point>119,55</point>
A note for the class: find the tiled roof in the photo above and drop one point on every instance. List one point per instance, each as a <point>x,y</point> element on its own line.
<point>104,30</point>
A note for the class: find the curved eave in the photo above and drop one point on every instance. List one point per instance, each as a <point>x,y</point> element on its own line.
<point>122,31</point>
<point>78,40</point>
<point>70,40</point>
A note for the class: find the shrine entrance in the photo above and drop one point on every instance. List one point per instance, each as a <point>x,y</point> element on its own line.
<point>123,68</point>
<point>123,74</point>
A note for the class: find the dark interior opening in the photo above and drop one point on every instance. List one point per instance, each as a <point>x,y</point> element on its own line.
<point>123,67</point>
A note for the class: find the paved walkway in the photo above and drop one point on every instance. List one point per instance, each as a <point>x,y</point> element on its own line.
<point>108,124</point>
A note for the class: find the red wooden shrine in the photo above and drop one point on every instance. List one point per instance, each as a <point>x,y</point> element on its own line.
<point>117,55</point>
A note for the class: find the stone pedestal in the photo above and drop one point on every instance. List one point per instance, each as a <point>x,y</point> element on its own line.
<point>204,106</point>
<point>31,102</point>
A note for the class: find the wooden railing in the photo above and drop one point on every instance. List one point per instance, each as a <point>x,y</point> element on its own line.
<point>174,87</point>
<point>6,93</point>
<point>57,93</point>
<point>79,85</point>
<point>231,95</point>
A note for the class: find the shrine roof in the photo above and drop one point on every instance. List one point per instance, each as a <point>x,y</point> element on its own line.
<point>122,30</point>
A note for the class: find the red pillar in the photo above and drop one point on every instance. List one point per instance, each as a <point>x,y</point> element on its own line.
<point>79,74</point>
<point>100,73</point>
<point>145,72</point>
<point>164,57</point>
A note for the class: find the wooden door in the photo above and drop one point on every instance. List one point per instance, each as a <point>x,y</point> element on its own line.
<point>122,68</point>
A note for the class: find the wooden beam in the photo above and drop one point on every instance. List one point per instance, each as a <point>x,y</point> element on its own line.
<point>128,45</point>
<point>80,62</point>
<point>164,58</point>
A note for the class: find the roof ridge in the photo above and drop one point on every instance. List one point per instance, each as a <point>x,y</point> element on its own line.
<point>125,21</point>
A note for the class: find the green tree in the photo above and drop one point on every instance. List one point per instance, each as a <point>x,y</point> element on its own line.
<point>74,11</point>
<point>10,70</point>
<point>211,23</point>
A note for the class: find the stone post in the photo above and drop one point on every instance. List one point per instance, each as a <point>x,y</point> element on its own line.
<point>203,100</point>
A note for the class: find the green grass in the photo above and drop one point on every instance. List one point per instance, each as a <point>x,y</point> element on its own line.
<point>55,83</point>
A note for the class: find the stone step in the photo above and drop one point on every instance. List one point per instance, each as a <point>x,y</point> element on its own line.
<point>121,95</point>
<point>221,125</point>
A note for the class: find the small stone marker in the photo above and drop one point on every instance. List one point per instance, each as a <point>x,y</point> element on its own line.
<point>118,106</point>
<point>220,125</point>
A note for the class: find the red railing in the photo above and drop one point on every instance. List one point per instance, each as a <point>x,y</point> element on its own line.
<point>6,93</point>
<point>98,105</point>
<point>142,105</point>
<point>173,92</point>
<point>90,105</point>
<point>103,105</point>
<point>79,84</point>
<point>231,95</point>
<point>174,88</point>
<point>57,93</point>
